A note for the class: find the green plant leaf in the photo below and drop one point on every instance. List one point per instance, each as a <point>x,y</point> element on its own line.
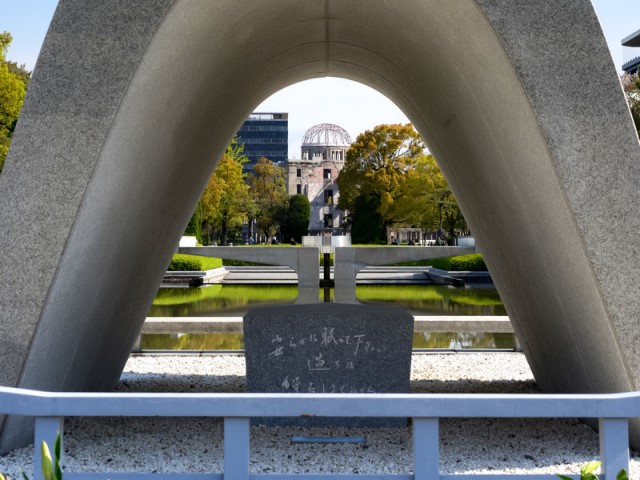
<point>622,475</point>
<point>56,452</point>
<point>47,464</point>
<point>24,475</point>
<point>564,477</point>
<point>2,477</point>
<point>590,467</point>
<point>56,447</point>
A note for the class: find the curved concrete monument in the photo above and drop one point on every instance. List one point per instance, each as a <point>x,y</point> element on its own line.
<point>132,100</point>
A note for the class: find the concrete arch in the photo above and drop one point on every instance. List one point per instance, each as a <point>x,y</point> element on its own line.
<point>131,100</point>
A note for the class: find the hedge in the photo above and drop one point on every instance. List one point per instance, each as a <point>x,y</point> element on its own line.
<point>193,263</point>
<point>463,263</point>
<point>472,263</point>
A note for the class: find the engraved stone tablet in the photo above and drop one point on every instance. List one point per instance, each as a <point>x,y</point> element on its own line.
<point>328,348</point>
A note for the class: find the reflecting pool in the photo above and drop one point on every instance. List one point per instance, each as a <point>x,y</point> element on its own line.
<point>235,341</point>
<point>235,300</point>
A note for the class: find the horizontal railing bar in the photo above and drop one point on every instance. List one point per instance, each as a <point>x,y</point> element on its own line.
<point>142,476</point>
<point>305,476</point>
<point>422,323</point>
<point>35,403</point>
<point>498,476</point>
<point>325,476</point>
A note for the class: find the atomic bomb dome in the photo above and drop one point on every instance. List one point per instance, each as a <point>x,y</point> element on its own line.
<point>323,151</point>
<point>325,141</point>
<point>326,134</point>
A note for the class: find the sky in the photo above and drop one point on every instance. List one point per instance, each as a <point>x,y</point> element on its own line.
<point>353,106</point>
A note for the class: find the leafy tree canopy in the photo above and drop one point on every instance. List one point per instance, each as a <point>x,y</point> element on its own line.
<point>298,215</point>
<point>12,92</point>
<point>269,194</point>
<point>225,202</point>
<point>226,199</point>
<point>631,86</point>
<point>376,164</point>
<point>388,170</point>
<point>367,225</point>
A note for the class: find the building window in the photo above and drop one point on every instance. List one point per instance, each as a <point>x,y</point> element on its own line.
<point>326,174</point>
<point>328,197</point>
<point>328,221</point>
<point>298,189</point>
<point>298,172</point>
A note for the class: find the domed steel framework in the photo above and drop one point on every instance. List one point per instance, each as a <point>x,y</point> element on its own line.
<point>326,134</point>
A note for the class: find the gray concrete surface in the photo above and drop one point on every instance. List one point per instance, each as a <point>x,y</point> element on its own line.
<point>376,275</point>
<point>130,103</point>
<point>304,260</point>
<point>328,347</point>
<point>350,260</point>
<point>422,323</point>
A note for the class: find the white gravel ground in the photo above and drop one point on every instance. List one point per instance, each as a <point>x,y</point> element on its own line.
<point>195,444</point>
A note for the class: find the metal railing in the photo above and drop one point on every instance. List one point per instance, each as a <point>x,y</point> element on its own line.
<point>612,410</point>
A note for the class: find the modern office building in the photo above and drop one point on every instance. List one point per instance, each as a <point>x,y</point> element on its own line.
<point>632,57</point>
<point>265,135</point>
<point>323,151</point>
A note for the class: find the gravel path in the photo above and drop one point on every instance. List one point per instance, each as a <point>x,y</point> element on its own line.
<point>195,444</point>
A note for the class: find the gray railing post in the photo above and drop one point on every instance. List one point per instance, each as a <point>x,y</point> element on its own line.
<point>46,430</point>
<point>236,448</point>
<point>426,449</point>
<point>345,271</point>
<point>307,271</point>
<point>614,446</point>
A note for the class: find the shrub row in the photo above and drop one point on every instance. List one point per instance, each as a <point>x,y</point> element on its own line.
<point>463,263</point>
<point>472,263</point>
<point>193,263</point>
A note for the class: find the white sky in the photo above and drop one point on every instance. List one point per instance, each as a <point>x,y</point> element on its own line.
<point>353,106</point>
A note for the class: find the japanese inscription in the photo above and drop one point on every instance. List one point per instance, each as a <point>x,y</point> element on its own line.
<point>328,348</point>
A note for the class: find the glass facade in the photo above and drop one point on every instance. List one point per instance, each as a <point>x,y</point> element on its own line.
<point>265,135</point>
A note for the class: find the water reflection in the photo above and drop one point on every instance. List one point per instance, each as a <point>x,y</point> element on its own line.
<point>235,300</point>
<point>235,341</point>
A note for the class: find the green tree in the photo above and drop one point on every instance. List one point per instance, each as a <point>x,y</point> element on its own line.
<point>631,86</point>
<point>269,194</point>
<point>298,215</point>
<point>194,228</point>
<point>376,164</point>
<point>367,225</point>
<point>12,92</point>
<point>428,202</point>
<point>420,195</point>
<point>388,170</point>
<point>226,201</point>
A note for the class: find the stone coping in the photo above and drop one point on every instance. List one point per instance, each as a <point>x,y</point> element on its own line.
<point>423,323</point>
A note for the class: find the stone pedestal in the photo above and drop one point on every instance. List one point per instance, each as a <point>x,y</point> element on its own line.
<point>329,348</point>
